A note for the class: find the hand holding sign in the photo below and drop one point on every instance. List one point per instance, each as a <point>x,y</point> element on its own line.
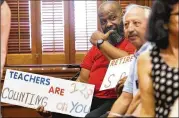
<point>43,112</point>
<point>117,69</point>
<point>120,85</point>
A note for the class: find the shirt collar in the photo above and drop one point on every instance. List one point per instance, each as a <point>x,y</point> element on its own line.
<point>143,48</point>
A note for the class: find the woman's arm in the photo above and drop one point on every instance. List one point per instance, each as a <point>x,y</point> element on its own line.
<point>146,86</point>
<point>134,104</point>
<point>5,29</point>
<point>174,111</point>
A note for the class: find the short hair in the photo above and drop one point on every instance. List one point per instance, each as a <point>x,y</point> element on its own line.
<point>116,4</point>
<point>147,10</point>
<point>160,15</point>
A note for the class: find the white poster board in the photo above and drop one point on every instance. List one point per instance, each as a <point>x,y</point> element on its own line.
<point>57,95</point>
<point>117,69</point>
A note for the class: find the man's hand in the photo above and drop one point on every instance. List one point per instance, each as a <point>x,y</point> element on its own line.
<point>42,112</point>
<point>99,35</point>
<point>120,85</point>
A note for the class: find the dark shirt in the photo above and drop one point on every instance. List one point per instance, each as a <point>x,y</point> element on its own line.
<point>2,1</point>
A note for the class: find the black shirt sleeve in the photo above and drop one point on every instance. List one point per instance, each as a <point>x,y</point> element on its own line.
<point>2,1</point>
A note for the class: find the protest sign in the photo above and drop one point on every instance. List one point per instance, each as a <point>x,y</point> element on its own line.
<point>117,69</point>
<point>57,95</point>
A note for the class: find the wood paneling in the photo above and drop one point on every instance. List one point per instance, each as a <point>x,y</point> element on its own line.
<point>12,111</point>
<point>72,33</point>
<point>47,58</point>
<point>125,3</point>
<point>139,2</point>
<point>13,59</point>
<point>145,2</point>
<point>19,36</point>
<point>79,57</point>
<point>36,32</point>
<point>50,58</point>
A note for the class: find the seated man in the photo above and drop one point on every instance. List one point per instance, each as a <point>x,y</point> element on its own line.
<point>107,45</point>
<point>135,22</point>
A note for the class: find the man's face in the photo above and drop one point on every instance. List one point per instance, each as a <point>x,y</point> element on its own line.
<point>110,18</point>
<point>135,26</point>
<point>174,21</point>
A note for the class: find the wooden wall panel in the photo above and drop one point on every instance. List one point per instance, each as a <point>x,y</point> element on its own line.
<point>25,59</point>
<point>51,58</point>
<point>124,3</point>
<point>47,58</point>
<point>79,57</point>
<point>14,59</point>
<point>12,111</point>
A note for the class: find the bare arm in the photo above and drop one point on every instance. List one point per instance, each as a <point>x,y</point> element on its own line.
<point>5,28</point>
<point>134,104</point>
<point>121,104</point>
<point>109,51</point>
<point>84,76</point>
<point>146,86</point>
<point>174,110</point>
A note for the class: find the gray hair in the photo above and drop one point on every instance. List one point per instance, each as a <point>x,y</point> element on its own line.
<point>147,10</point>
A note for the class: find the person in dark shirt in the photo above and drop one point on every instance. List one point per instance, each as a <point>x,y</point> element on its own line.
<point>2,1</point>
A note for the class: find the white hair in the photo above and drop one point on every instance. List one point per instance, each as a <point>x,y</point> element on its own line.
<point>147,10</point>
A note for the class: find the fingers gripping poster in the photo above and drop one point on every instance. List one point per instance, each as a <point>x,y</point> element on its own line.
<point>118,68</point>
<point>57,95</point>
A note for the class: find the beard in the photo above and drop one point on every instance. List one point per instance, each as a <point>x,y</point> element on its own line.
<point>119,28</point>
<point>117,35</point>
